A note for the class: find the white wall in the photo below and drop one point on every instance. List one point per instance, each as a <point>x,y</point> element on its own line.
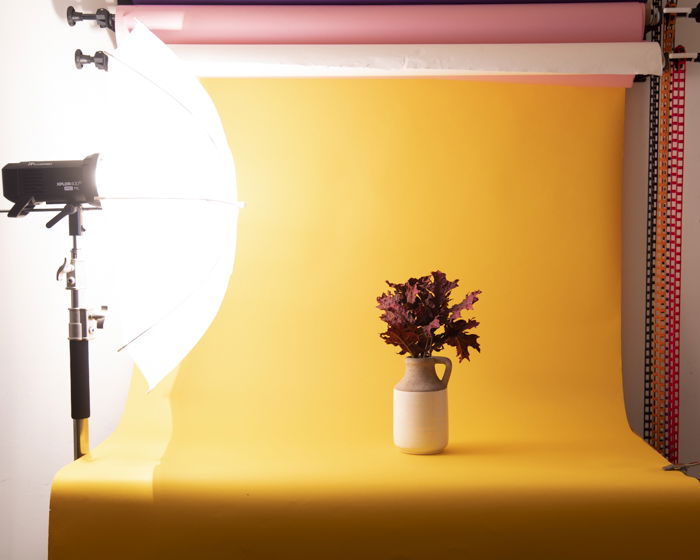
<point>48,110</point>
<point>634,223</point>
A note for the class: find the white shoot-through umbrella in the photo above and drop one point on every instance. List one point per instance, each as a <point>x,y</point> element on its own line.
<point>166,239</point>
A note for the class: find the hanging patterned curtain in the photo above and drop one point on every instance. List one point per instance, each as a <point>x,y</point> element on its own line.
<point>664,237</point>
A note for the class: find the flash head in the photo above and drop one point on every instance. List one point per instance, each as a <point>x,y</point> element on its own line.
<point>30,183</point>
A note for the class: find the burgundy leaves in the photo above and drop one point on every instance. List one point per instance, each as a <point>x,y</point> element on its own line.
<point>417,309</point>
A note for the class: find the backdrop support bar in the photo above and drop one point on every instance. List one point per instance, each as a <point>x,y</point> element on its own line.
<point>693,13</point>
<point>689,56</point>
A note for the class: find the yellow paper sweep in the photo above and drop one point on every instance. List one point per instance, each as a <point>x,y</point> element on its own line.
<point>273,440</point>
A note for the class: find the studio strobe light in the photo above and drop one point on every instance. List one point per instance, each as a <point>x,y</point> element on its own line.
<point>30,183</point>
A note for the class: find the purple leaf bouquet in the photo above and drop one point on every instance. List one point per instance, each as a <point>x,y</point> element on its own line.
<point>421,320</point>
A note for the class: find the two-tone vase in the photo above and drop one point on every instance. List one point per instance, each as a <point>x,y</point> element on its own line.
<point>420,407</point>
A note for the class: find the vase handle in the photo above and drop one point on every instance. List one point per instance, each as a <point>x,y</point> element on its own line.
<point>448,369</point>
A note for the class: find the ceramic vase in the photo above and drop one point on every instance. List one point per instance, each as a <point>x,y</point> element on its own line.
<point>420,407</point>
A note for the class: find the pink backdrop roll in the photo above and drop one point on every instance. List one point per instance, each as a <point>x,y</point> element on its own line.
<point>415,24</point>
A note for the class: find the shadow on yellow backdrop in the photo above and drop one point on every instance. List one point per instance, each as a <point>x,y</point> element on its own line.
<point>274,438</point>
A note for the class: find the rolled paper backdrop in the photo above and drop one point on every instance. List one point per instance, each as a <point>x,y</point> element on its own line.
<point>274,438</point>
<point>350,2</point>
<point>602,64</point>
<point>417,24</point>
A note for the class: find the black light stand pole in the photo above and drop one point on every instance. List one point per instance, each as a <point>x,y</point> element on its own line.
<point>79,354</point>
<point>81,329</point>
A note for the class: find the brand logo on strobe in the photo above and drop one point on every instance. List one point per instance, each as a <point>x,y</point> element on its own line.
<point>69,185</point>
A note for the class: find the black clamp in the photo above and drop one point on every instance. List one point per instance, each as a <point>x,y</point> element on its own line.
<point>100,60</point>
<point>103,17</point>
<point>695,13</point>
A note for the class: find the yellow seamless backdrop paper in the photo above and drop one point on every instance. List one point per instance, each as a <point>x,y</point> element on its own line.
<point>273,440</point>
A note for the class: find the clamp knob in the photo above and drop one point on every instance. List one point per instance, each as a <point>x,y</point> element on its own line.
<point>100,60</point>
<point>103,17</point>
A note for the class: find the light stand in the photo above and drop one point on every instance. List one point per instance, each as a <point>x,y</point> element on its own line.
<point>71,183</point>
<point>81,329</point>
